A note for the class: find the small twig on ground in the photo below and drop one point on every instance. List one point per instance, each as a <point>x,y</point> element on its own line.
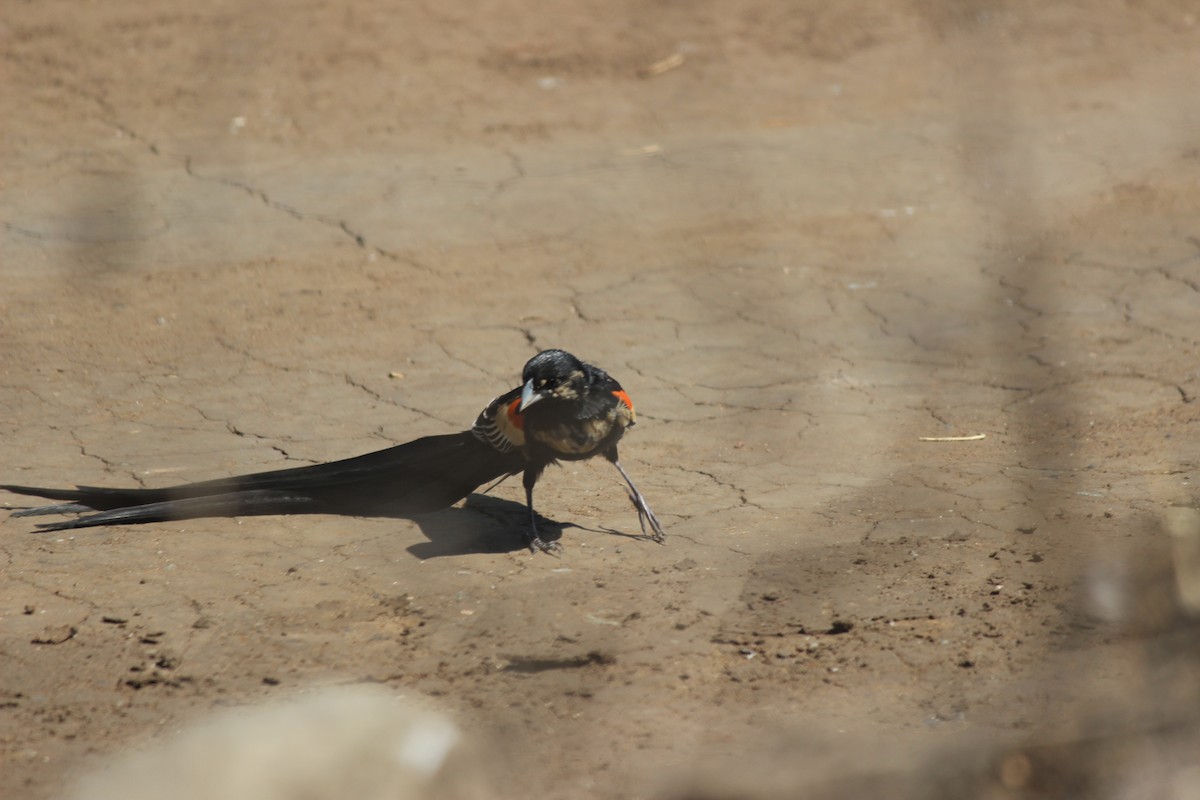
<point>973,438</point>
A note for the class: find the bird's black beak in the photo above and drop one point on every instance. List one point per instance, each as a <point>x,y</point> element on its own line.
<point>529,396</point>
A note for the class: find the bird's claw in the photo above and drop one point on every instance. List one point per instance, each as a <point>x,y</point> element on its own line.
<point>538,544</point>
<point>656,532</point>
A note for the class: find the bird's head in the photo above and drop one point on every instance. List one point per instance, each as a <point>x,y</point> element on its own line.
<point>552,375</point>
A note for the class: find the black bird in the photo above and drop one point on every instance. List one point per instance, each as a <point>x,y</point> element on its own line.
<point>564,410</point>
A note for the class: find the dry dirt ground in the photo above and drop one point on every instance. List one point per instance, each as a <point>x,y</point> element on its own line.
<point>803,235</point>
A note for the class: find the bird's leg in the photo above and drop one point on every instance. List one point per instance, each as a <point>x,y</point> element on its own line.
<point>643,508</point>
<point>535,541</point>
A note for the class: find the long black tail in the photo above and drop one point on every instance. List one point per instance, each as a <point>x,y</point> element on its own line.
<point>423,475</point>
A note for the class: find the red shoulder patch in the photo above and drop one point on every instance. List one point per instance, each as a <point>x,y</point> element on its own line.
<point>514,416</point>
<point>624,398</point>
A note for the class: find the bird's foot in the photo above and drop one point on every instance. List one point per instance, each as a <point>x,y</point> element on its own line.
<point>657,533</point>
<point>538,544</point>
<point>652,529</point>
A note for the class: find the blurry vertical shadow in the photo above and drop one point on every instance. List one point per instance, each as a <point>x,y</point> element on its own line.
<point>1145,599</point>
<point>104,226</point>
<point>1143,743</point>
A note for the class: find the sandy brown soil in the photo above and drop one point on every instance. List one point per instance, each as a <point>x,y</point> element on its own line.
<point>237,236</point>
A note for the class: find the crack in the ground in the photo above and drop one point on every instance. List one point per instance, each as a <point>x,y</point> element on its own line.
<point>1137,376</point>
<point>358,238</point>
<point>866,537</point>
<point>485,370</point>
<point>257,194</point>
<point>518,169</point>
<point>1128,313</point>
<point>743,499</point>
<point>341,225</point>
<point>938,418</point>
<point>881,318</point>
<point>89,607</point>
<point>725,412</point>
<point>727,547</point>
<point>1161,267</point>
<point>343,376</point>
<point>109,466</point>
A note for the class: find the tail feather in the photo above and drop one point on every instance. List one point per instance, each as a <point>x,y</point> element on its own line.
<point>220,505</point>
<point>423,475</point>
<point>41,511</point>
<point>85,496</point>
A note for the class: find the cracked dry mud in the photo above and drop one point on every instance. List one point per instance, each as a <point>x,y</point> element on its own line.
<point>239,237</point>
